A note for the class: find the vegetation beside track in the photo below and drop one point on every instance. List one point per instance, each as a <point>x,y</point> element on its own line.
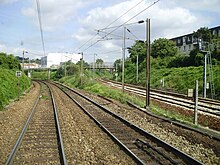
<point>161,110</point>
<point>9,87</point>
<point>8,80</point>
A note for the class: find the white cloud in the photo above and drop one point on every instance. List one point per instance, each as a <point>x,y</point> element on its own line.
<point>166,21</point>
<point>4,2</point>
<point>201,5</point>
<point>3,48</point>
<point>54,13</point>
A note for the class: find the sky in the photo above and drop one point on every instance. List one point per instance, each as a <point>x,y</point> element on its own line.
<point>74,26</point>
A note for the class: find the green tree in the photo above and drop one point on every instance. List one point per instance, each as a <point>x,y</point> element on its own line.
<point>203,33</point>
<point>8,61</point>
<point>99,61</point>
<point>138,49</point>
<point>163,47</point>
<point>72,69</point>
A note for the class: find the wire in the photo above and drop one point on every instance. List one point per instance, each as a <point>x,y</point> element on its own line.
<point>87,41</point>
<point>124,14</point>
<point>41,29</point>
<point>110,24</point>
<point>125,23</point>
<point>110,51</point>
<point>133,17</point>
<point>119,36</point>
<point>132,34</point>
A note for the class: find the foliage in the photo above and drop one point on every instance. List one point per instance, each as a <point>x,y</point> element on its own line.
<point>9,87</point>
<point>138,49</point>
<point>72,69</point>
<point>99,61</point>
<point>42,75</point>
<point>163,47</point>
<point>203,33</point>
<point>8,61</point>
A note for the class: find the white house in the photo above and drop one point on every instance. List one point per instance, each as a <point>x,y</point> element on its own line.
<point>53,59</point>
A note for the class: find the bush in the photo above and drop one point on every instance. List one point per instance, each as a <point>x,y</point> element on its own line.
<point>9,87</point>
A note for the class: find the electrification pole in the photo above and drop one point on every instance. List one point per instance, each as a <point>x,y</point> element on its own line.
<point>123,60</point>
<point>81,75</point>
<point>148,63</point>
<point>137,70</point>
<point>94,66</point>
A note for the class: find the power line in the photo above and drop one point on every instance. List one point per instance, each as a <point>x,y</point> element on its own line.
<point>119,36</point>
<point>41,29</point>
<point>132,17</point>
<point>125,23</point>
<point>124,14</point>
<point>132,34</point>
<point>110,24</point>
<point>86,42</point>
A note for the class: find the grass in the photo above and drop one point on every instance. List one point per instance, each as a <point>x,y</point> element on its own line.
<point>116,94</point>
<point>9,86</point>
<point>170,114</point>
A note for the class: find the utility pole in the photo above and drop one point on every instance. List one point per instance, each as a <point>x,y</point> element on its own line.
<point>23,60</point>
<point>29,73</point>
<point>201,48</point>
<point>81,75</point>
<point>148,63</point>
<point>94,66</point>
<point>196,103</point>
<point>137,70</point>
<point>204,76</point>
<point>123,60</point>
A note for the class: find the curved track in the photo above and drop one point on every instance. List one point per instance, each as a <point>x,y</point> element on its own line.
<point>207,106</point>
<point>143,147</point>
<point>40,141</point>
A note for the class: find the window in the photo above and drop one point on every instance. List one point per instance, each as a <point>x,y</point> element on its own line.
<point>184,48</point>
<point>189,47</point>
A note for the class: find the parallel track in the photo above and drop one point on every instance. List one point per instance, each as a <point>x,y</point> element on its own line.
<point>40,141</point>
<point>143,147</point>
<point>207,106</point>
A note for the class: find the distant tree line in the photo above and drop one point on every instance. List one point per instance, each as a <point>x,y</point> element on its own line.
<point>165,54</point>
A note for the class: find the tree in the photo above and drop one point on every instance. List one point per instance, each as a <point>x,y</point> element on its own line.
<point>99,61</point>
<point>8,61</point>
<point>72,69</point>
<point>203,33</point>
<point>163,47</point>
<point>139,48</point>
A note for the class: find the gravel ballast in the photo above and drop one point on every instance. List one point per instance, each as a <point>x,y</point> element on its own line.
<point>84,142</point>
<point>12,120</point>
<point>197,147</point>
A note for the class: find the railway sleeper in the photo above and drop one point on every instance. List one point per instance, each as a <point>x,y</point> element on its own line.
<point>158,153</point>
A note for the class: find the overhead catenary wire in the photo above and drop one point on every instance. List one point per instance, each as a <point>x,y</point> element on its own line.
<point>110,24</point>
<point>108,33</point>
<point>40,23</point>
<point>132,17</point>
<point>132,34</point>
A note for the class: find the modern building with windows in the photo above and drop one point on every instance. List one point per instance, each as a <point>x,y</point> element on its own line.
<point>187,42</point>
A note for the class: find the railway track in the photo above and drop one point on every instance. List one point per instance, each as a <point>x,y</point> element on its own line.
<point>40,141</point>
<point>143,147</point>
<point>206,106</point>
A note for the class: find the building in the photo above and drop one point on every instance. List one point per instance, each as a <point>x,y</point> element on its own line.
<point>30,65</point>
<point>186,43</point>
<point>54,59</point>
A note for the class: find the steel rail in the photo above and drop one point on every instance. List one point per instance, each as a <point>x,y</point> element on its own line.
<point>59,138</point>
<point>186,158</point>
<point>205,100</point>
<point>128,151</point>
<point>181,101</point>
<point>14,150</point>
